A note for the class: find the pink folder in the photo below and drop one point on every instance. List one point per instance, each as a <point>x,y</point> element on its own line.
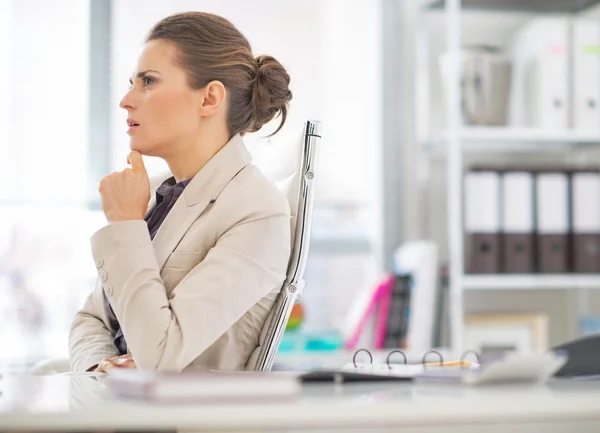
<point>378,304</point>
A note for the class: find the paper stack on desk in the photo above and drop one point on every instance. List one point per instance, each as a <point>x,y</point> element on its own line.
<point>202,386</point>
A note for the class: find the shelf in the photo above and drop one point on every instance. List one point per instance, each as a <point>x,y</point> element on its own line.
<point>490,139</point>
<point>525,282</point>
<point>529,6</point>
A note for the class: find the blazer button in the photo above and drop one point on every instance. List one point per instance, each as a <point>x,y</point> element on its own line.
<point>99,262</point>
<point>103,275</point>
<point>108,290</point>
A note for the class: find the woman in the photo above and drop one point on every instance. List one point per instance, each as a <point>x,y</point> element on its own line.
<point>186,280</point>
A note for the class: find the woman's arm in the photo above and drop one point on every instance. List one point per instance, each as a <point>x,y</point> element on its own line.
<point>246,264</point>
<point>90,341</point>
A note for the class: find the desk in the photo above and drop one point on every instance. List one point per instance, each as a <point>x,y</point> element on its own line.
<point>82,403</point>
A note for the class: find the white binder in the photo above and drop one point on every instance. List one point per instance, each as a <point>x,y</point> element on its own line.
<point>517,202</point>
<point>586,203</point>
<point>552,202</point>
<point>586,74</point>
<point>540,52</point>
<point>482,202</point>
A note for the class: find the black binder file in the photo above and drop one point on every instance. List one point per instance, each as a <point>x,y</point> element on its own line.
<point>518,255</point>
<point>482,221</point>
<point>552,221</point>
<point>585,215</point>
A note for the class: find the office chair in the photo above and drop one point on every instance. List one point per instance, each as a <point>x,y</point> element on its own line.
<point>299,188</point>
<point>297,182</point>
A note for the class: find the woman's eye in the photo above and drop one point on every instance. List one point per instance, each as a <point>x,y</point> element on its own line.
<point>147,81</point>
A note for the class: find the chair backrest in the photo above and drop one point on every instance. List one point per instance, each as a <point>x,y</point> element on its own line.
<point>298,185</point>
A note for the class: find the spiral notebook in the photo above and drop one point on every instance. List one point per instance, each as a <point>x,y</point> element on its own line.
<point>497,368</point>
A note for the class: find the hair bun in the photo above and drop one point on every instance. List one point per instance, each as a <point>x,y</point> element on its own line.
<point>271,93</point>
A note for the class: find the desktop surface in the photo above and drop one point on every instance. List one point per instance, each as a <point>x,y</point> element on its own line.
<point>83,403</point>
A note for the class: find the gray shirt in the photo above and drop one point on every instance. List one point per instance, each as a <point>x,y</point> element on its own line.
<point>166,196</point>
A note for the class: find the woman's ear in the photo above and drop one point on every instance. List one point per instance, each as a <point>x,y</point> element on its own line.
<point>214,97</point>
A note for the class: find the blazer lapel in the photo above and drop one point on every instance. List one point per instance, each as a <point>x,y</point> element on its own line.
<point>201,192</point>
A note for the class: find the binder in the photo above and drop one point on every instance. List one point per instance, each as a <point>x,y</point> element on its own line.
<point>482,221</point>
<point>366,304</point>
<point>540,81</point>
<point>398,313</point>
<point>517,222</point>
<point>552,221</point>
<point>510,367</point>
<point>585,193</point>
<point>586,70</point>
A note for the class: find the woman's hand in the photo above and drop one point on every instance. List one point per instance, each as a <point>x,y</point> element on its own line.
<point>126,194</point>
<point>124,361</point>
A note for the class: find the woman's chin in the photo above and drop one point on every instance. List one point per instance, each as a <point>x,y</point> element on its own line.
<point>133,145</point>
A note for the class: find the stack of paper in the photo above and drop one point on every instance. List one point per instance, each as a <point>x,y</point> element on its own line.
<point>202,386</point>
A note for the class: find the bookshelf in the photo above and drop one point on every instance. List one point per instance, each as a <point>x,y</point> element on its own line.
<point>455,141</point>
<point>494,140</point>
<point>520,135</point>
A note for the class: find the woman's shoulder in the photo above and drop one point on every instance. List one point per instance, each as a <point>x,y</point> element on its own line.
<point>252,186</point>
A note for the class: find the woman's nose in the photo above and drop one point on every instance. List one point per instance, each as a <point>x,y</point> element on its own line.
<point>127,101</point>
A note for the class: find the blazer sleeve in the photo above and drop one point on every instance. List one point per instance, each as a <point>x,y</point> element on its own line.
<point>90,341</point>
<point>167,333</point>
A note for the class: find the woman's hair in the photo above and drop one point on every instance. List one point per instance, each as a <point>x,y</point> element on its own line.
<point>211,48</point>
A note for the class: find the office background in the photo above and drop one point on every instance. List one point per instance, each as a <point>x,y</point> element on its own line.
<point>368,69</point>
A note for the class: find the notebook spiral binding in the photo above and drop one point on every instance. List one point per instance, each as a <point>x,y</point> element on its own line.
<point>423,361</point>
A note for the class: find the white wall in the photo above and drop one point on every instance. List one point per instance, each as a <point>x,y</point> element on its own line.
<point>7,170</point>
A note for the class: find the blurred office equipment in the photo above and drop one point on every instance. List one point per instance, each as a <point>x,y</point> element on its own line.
<point>518,254</point>
<point>482,221</point>
<point>583,357</point>
<point>540,84</point>
<point>366,307</point>
<point>493,333</point>
<point>419,260</point>
<point>402,307</point>
<point>395,314</point>
<point>485,85</point>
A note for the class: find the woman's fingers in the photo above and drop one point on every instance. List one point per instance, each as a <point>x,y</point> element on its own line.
<point>107,364</point>
<point>124,362</point>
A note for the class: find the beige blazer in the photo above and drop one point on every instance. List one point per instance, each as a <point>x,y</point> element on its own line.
<point>196,296</point>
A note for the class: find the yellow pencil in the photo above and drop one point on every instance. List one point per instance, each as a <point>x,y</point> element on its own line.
<point>449,364</point>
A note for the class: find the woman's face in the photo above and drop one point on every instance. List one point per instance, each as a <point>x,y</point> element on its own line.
<point>163,111</point>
